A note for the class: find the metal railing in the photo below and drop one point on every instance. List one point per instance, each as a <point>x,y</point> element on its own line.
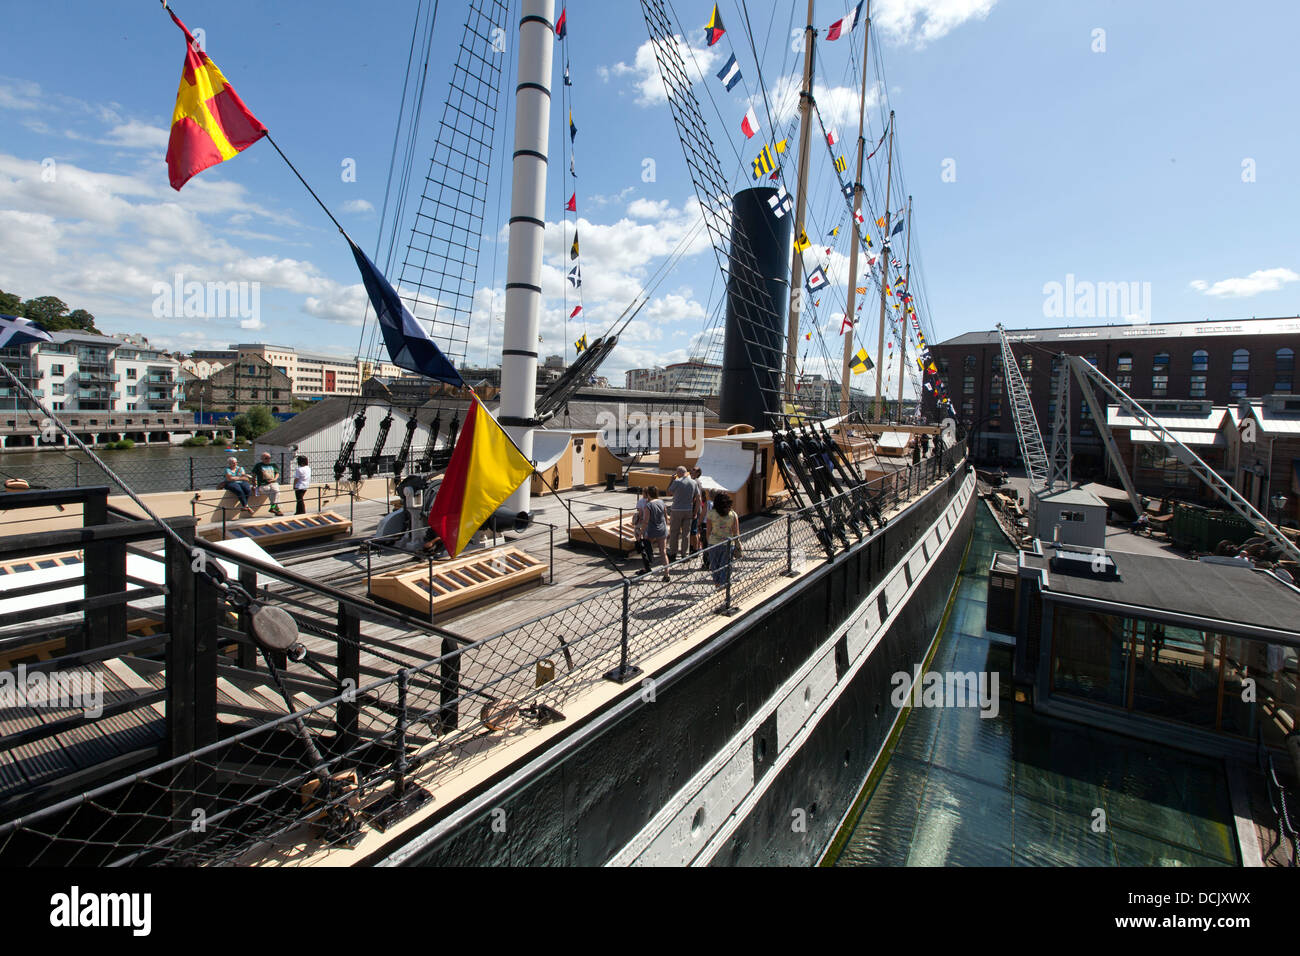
<point>358,753</point>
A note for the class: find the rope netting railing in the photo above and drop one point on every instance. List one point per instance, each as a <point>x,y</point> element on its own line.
<point>347,762</point>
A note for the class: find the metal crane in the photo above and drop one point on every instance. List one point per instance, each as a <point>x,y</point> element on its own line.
<point>1086,374</point>
<point>1032,449</point>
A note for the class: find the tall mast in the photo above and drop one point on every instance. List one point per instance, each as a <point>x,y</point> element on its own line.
<point>801,201</point>
<point>902,323</point>
<point>857,231</point>
<point>884,274</point>
<point>527,231</point>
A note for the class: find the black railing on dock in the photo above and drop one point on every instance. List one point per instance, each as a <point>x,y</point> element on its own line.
<point>376,718</point>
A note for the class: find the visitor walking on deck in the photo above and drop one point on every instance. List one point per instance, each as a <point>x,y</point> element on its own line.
<point>237,483</point>
<point>656,528</point>
<point>267,476</point>
<point>301,479</point>
<point>698,515</point>
<point>686,496</point>
<point>639,531</point>
<point>724,533</point>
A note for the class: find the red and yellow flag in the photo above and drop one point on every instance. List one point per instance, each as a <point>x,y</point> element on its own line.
<point>210,123</point>
<point>485,469</point>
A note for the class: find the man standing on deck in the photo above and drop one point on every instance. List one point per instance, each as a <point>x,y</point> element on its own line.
<point>686,499</point>
<point>267,477</point>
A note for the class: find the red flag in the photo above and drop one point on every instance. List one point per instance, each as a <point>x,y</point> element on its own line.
<point>575,312</point>
<point>562,24</point>
<point>210,123</point>
<point>572,204</point>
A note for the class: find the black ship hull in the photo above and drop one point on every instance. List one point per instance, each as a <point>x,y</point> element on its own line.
<point>748,751</point>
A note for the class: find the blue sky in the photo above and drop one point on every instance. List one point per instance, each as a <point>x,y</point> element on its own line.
<point>1161,152</point>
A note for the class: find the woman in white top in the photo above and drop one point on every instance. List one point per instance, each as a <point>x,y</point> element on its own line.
<point>301,479</point>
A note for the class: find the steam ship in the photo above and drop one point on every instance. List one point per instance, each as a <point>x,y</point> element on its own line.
<point>334,689</point>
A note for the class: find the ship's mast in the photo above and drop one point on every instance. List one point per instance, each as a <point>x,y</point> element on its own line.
<point>902,322</point>
<point>884,274</point>
<point>858,230</point>
<point>527,231</point>
<point>801,199</point>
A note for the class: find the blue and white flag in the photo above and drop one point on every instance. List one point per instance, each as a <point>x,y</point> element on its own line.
<point>730,73</point>
<point>817,279</point>
<point>782,202</point>
<point>19,331</point>
<point>408,345</point>
<point>575,277</point>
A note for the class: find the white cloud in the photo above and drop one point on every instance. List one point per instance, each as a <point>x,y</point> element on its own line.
<point>1262,280</point>
<point>137,135</point>
<point>919,22</point>
<point>644,70</point>
<point>358,206</point>
<point>838,106</point>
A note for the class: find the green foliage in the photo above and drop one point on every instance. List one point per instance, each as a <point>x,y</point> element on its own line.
<point>195,441</point>
<point>254,423</point>
<point>124,445</point>
<point>50,311</point>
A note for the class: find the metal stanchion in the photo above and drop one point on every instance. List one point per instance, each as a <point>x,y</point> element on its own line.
<point>624,672</point>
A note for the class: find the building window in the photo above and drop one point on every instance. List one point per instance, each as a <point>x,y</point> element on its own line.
<point>968,384</point>
<point>1154,464</point>
<point>1284,371</point>
<point>1091,359</point>
<point>1198,386</point>
<point>1027,364</point>
<point>1160,364</point>
<point>56,369</point>
<point>1200,361</point>
<point>1159,386</point>
<point>968,410</point>
<point>130,374</point>
<point>1241,360</point>
<point>1124,363</point>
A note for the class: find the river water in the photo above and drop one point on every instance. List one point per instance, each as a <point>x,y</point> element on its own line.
<point>1025,790</point>
<point>145,468</point>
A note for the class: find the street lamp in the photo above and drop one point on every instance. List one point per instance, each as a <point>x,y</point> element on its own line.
<point>1278,502</point>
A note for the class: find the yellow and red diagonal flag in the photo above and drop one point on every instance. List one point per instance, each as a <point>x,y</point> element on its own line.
<point>210,123</point>
<point>485,469</point>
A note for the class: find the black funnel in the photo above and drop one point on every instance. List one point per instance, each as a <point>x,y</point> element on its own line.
<point>758,301</point>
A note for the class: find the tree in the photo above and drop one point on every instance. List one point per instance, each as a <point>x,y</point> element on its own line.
<point>82,321</point>
<point>47,310</point>
<point>254,423</point>
<point>50,311</point>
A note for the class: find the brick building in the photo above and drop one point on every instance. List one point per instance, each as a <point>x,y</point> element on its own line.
<point>1219,362</point>
<point>241,385</point>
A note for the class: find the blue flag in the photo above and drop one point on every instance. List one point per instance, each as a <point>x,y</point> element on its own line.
<point>408,346</point>
<point>19,331</point>
<point>898,228</point>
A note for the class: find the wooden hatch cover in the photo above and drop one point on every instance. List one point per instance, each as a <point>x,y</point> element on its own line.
<point>458,581</point>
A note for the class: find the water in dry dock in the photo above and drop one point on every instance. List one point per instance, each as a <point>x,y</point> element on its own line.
<point>1024,790</point>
